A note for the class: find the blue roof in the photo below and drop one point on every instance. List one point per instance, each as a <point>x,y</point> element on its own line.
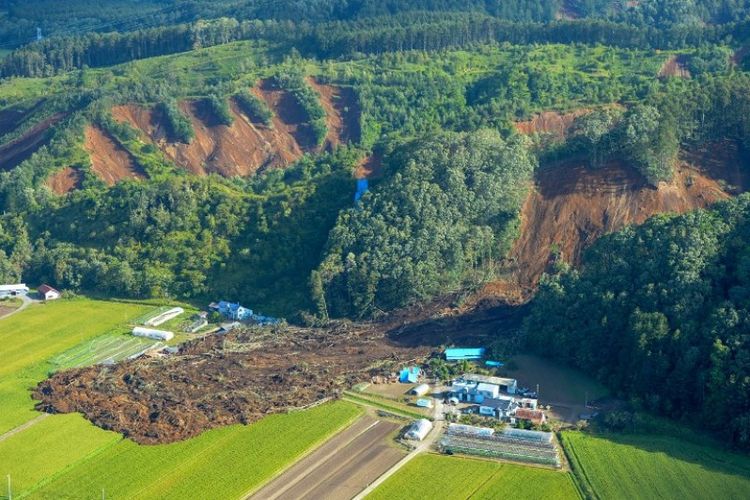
<point>410,374</point>
<point>464,352</point>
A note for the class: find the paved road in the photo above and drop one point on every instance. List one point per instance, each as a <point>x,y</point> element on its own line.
<point>27,301</point>
<point>423,447</point>
<point>340,468</point>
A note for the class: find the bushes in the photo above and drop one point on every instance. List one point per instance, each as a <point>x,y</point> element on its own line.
<point>220,110</point>
<point>307,98</point>
<point>256,109</point>
<point>179,125</point>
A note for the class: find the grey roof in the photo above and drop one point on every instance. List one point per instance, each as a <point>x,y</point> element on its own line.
<point>497,404</point>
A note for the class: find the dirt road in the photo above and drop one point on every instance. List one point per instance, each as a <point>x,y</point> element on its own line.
<point>340,468</point>
<point>26,302</point>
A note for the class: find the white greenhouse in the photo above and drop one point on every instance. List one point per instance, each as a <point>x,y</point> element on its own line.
<point>419,430</point>
<point>152,334</point>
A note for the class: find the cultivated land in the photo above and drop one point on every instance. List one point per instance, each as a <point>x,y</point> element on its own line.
<point>655,466</point>
<point>436,476</point>
<point>32,338</point>
<point>74,459</point>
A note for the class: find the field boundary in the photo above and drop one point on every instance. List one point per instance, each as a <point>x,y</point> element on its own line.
<point>382,405</point>
<point>580,479</point>
<point>12,432</point>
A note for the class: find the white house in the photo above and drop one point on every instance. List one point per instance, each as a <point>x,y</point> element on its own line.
<point>48,293</point>
<point>497,408</point>
<point>16,290</point>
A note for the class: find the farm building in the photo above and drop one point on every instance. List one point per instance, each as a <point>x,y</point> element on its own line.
<point>232,310</point>
<point>529,403</point>
<point>464,353</point>
<point>165,316</point>
<point>497,408</point>
<point>419,430</point>
<point>509,385</point>
<point>410,375</point>
<point>48,293</point>
<point>420,390</point>
<point>16,290</point>
<point>150,333</point>
<point>535,417</point>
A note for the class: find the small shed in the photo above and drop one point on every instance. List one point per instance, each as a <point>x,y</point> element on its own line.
<point>424,403</point>
<point>464,353</point>
<point>419,430</point>
<point>420,390</point>
<point>535,417</point>
<point>48,293</point>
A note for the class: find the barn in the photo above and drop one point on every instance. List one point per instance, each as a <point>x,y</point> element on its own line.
<point>48,293</point>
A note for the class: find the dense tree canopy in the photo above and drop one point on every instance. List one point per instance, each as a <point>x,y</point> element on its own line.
<point>449,209</point>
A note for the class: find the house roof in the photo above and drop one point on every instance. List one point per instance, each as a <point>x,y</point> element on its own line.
<point>490,380</point>
<point>497,404</point>
<point>10,288</point>
<point>46,288</point>
<point>485,387</point>
<point>527,414</point>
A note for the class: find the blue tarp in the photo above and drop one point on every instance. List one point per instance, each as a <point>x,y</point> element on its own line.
<point>494,364</point>
<point>459,353</point>
<point>362,187</point>
<point>409,375</point>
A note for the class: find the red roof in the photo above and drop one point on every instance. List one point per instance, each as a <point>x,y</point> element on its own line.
<point>527,414</point>
<point>46,288</point>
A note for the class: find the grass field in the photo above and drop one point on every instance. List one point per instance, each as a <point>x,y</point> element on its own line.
<point>444,477</point>
<point>30,339</point>
<point>65,457</point>
<point>652,466</point>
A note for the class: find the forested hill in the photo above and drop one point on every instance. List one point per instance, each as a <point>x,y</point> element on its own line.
<point>21,18</point>
<point>661,312</point>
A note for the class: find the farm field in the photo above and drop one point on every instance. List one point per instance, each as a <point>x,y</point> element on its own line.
<point>31,338</point>
<point>665,467</point>
<point>452,477</point>
<point>222,463</point>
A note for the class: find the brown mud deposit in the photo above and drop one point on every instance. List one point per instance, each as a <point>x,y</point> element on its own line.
<point>370,167</point>
<point>18,150</point>
<point>64,181</point>
<point>224,379</point>
<point>571,206</point>
<point>288,116</point>
<point>109,160</point>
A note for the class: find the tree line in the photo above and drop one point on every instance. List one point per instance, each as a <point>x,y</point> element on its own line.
<point>338,39</point>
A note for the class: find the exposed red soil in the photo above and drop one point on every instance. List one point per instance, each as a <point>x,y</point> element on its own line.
<point>674,66</point>
<point>342,113</point>
<point>65,181</point>
<point>289,117</point>
<point>571,206</point>
<point>550,123</point>
<point>370,167</point>
<point>17,151</point>
<point>109,160</point>
<point>240,149</point>
<point>224,379</point>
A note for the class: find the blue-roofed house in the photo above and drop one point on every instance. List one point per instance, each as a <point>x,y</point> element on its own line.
<point>464,353</point>
<point>234,311</point>
<point>410,375</point>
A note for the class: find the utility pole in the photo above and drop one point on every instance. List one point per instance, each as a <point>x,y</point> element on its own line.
<point>10,491</point>
<point>586,400</point>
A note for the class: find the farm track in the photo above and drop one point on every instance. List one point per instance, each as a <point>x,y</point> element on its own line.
<point>23,426</point>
